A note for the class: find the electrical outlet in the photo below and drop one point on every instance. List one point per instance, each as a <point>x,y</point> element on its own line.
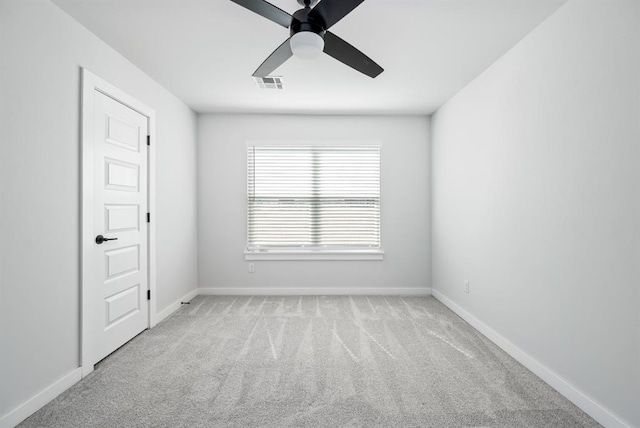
<point>252,268</point>
<point>466,287</point>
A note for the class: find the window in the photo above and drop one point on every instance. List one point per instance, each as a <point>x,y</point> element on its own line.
<point>313,202</point>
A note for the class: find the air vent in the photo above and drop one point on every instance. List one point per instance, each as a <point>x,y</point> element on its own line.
<point>271,82</point>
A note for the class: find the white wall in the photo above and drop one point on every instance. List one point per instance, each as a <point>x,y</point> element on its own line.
<point>536,201</point>
<point>42,52</point>
<point>222,184</point>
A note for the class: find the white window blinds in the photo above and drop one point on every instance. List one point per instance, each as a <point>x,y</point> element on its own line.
<point>313,197</point>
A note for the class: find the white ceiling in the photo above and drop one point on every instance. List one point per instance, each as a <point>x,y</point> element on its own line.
<point>204,51</point>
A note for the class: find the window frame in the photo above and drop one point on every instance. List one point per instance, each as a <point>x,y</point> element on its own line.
<point>315,253</point>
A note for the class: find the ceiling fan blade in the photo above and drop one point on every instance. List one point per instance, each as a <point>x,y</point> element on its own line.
<point>342,51</point>
<point>275,60</point>
<point>332,11</point>
<point>267,10</point>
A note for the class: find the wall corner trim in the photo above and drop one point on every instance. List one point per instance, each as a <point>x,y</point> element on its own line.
<point>35,403</point>
<point>590,406</point>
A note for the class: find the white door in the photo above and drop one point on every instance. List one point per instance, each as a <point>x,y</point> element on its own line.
<point>118,294</point>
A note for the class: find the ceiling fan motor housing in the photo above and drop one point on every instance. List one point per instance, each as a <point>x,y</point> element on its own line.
<point>304,21</point>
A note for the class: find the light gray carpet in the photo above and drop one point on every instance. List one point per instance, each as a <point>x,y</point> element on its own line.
<point>311,362</point>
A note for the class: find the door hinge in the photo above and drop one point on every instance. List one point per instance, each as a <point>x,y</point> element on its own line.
<point>148,217</point>
<point>148,140</point>
<point>148,294</point>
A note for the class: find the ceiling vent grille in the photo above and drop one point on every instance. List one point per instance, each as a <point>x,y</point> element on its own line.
<point>271,82</point>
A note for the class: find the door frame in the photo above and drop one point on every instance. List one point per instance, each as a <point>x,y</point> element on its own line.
<point>90,85</point>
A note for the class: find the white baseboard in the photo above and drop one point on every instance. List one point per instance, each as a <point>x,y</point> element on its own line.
<point>319,291</point>
<point>590,406</point>
<point>166,312</point>
<point>35,403</point>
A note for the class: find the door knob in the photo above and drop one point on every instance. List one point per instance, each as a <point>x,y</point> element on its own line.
<point>100,239</point>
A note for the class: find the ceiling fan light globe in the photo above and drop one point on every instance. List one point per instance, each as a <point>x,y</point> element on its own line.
<point>307,45</point>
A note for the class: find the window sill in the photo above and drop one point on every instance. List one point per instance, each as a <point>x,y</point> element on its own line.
<point>314,255</point>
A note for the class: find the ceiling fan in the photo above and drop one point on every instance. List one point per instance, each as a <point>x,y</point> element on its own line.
<point>309,35</point>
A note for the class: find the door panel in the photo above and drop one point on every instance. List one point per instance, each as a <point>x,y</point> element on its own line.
<point>122,261</point>
<point>125,303</point>
<point>120,207</point>
<point>121,218</point>
<point>123,134</point>
<point>121,176</point>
